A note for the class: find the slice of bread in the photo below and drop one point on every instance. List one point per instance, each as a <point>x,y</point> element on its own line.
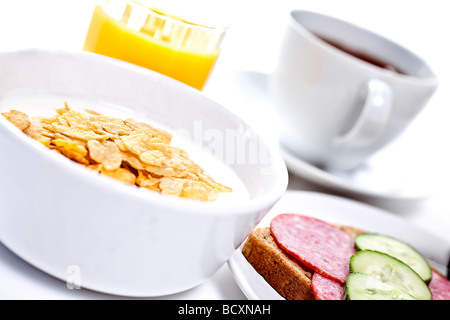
<point>289,277</point>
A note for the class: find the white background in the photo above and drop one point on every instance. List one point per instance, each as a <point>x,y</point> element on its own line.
<point>251,44</point>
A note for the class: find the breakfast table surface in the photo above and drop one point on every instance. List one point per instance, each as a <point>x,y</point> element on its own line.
<point>239,82</point>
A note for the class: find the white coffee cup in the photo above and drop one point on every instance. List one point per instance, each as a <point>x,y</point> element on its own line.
<point>335,109</point>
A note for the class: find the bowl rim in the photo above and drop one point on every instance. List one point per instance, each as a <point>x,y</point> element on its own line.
<point>101,181</point>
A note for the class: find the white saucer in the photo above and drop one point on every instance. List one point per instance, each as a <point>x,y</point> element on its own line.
<point>19,280</point>
<point>390,182</point>
<point>340,211</point>
<point>397,173</point>
<point>22,281</point>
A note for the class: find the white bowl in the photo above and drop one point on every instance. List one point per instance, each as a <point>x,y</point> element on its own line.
<point>107,236</point>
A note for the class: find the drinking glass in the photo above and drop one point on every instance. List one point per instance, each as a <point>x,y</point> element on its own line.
<point>148,36</point>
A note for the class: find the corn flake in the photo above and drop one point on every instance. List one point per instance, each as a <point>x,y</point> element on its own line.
<point>17,118</point>
<point>105,153</point>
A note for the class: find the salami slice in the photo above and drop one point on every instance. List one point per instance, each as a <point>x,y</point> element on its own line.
<point>326,289</point>
<point>439,287</point>
<point>322,247</point>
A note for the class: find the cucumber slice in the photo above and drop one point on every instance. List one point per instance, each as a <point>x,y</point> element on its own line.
<point>361,286</point>
<point>397,249</point>
<point>390,271</point>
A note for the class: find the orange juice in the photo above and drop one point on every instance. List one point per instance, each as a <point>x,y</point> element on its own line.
<point>176,48</point>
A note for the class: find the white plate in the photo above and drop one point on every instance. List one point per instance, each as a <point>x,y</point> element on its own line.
<point>341,211</point>
<point>397,173</point>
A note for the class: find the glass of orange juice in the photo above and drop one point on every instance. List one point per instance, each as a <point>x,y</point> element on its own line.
<point>148,36</point>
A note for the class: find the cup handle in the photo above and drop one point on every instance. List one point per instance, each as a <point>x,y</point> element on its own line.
<point>373,118</point>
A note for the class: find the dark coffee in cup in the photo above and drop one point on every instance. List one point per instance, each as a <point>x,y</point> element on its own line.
<point>362,55</point>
